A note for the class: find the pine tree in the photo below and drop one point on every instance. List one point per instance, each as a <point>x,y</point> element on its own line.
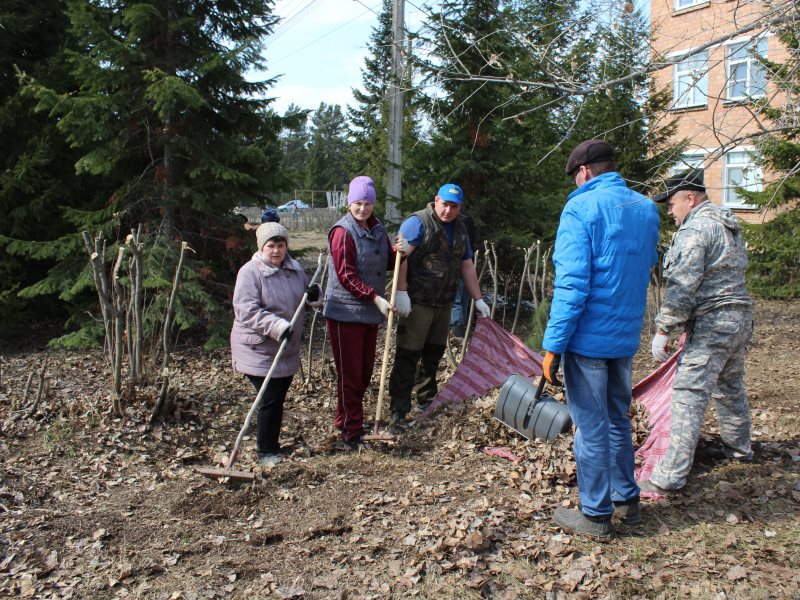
<point>369,117</point>
<point>621,113</point>
<point>496,138</point>
<point>774,246</point>
<point>163,115</point>
<point>294,145</point>
<point>36,164</point>
<point>328,150</point>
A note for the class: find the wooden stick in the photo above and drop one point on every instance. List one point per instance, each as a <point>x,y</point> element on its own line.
<point>386,343</point>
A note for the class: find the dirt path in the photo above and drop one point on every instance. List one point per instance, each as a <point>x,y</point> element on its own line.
<point>92,507</point>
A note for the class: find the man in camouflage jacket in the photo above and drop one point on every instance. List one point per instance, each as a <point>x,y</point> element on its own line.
<point>706,298</point>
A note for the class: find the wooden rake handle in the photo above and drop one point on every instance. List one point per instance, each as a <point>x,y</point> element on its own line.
<point>387,341</point>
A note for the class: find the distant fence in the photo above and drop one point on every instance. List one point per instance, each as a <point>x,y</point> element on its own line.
<point>310,219</point>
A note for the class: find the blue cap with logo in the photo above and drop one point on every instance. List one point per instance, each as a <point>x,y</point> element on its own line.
<point>450,192</point>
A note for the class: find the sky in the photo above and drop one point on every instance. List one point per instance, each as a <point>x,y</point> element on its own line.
<point>318,50</point>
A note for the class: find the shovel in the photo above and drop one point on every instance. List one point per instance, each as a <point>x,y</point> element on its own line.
<point>376,437</point>
<point>249,475</point>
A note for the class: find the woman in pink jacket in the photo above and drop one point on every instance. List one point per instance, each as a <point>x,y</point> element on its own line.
<point>268,289</point>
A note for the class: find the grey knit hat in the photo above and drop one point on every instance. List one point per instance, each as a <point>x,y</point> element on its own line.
<point>267,231</point>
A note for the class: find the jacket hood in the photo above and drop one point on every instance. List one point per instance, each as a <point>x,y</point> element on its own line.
<point>724,216</point>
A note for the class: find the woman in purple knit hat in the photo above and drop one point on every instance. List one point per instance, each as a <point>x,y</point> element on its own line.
<point>360,254</point>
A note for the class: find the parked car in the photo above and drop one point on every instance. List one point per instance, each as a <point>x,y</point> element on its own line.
<point>291,205</point>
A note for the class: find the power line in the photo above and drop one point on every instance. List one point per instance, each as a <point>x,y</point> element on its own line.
<point>292,20</point>
<point>322,37</point>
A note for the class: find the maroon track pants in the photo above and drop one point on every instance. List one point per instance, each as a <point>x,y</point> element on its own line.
<point>353,346</point>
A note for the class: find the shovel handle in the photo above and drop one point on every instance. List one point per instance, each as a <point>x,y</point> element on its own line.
<point>540,389</point>
<point>387,341</point>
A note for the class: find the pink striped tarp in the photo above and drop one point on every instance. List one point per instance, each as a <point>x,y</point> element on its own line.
<point>654,392</point>
<point>492,355</point>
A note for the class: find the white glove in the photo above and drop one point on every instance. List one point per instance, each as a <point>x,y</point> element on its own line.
<point>382,304</point>
<point>482,308</point>
<point>659,347</point>
<point>401,245</point>
<point>284,330</point>
<point>402,303</point>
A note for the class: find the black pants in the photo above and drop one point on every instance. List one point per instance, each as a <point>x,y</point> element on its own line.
<point>270,413</point>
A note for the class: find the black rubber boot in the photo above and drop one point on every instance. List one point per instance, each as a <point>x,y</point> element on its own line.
<point>425,377</point>
<point>401,381</point>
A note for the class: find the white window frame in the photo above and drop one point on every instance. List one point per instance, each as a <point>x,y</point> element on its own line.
<point>683,4</point>
<point>753,180</point>
<point>751,64</point>
<point>689,161</point>
<point>697,92</point>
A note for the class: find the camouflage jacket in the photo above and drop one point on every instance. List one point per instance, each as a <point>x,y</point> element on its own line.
<point>704,268</point>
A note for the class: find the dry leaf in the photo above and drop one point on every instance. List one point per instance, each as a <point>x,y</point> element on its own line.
<point>736,572</point>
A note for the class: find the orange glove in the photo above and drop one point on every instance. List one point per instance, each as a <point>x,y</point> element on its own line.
<point>550,367</point>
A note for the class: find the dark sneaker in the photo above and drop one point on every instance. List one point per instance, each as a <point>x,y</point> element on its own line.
<point>630,513</point>
<point>572,519</point>
<point>423,406</point>
<point>726,453</point>
<point>648,487</point>
<point>354,444</point>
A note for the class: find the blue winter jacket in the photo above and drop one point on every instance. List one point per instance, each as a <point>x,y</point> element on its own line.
<point>605,247</point>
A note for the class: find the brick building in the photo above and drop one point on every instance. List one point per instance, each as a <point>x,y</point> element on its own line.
<point>713,88</point>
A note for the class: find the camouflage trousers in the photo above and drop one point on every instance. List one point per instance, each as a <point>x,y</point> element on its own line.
<point>711,366</point>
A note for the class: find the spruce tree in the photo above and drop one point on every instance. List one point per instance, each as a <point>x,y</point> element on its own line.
<point>622,112</point>
<point>36,164</point>
<point>294,145</point>
<point>162,114</point>
<point>369,116</point>
<point>328,150</point>
<point>774,245</point>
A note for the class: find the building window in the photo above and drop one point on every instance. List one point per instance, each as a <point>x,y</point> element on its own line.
<point>690,82</point>
<point>689,161</point>
<point>681,4</point>
<point>741,171</point>
<point>746,76</point>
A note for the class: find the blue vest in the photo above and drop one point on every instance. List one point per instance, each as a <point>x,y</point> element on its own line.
<point>372,256</point>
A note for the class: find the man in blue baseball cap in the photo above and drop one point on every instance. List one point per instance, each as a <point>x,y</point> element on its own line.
<point>439,253</point>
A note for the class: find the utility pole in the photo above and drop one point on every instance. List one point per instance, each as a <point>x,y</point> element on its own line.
<point>396,105</point>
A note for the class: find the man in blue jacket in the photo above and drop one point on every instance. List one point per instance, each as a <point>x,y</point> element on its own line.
<point>605,248</point>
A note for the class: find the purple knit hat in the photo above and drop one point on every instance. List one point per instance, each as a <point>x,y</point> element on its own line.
<point>362,189</point>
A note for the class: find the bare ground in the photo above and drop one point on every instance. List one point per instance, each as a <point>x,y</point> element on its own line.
<point>97,507</point>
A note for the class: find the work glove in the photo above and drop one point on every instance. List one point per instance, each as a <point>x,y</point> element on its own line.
<point>400,245</point>
<point>660,347</point>
<point>382,304</point>
<point>286,331</point>
<point>313,292</point>
<point>482,308</point>
<point>550,367</point>
<point>402,303</point>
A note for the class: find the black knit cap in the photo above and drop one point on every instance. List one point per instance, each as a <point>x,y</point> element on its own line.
<point>690,181</point>
<point>587,152</point>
